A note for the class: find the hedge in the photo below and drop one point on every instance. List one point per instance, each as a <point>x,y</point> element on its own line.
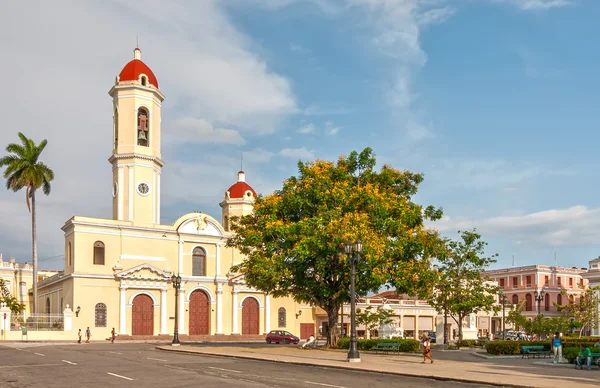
<point>406,345</point>
<point>514,347</point>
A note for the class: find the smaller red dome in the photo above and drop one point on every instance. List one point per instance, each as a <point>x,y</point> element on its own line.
<point>239,189</point>
<point>135,68</point>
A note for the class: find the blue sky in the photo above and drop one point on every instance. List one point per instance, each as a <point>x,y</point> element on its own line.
<point>493,100</point>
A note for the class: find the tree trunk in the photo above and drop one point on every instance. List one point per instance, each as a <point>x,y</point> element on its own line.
<point>332,317</point>
<point>34,304</point>
<point>460,327</point>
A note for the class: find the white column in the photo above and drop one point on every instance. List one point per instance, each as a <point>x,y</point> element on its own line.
<point>180,266</point>
<point>218,261</point>
<point>163,311</point>
<point>235,327</point>
<point>267,313</point>
<point>154,196</point>
<point>416,327</point>
<point>120,187</point>
<point>123,312</point>
<point>130,170</point>
<point>158,198</point>
<point>182,312</point>
<point>219,308</point>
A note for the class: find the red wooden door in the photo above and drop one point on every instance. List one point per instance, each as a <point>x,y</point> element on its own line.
<point>306,330</point>
<point>199,313</point>
<point>142,320</point>
<point>250,317</point>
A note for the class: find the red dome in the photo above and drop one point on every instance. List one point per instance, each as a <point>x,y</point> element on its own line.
<point>133,70</point>
<point>239,189</point>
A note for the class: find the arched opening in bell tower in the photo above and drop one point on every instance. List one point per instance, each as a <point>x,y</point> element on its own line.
<point>143,132</point>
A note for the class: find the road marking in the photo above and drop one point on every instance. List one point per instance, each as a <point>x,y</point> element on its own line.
<point>324,385</point>
<point>225,370</point>
<point>157,359</point>
<point>115,352</point>
<point>39,354</point>
<point>69,362</point>
<point>116,375</point>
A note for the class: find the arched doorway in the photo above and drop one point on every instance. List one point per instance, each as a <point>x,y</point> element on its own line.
<point>250,317</point>
<point>199,313</point>
<point>142,319</point>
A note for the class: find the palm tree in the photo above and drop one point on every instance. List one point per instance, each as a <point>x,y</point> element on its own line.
<point>23,170</point>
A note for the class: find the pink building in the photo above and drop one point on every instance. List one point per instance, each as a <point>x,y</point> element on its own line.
<point>521,283</point>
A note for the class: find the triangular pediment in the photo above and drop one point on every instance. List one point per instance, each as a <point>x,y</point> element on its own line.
<point>143,271</point>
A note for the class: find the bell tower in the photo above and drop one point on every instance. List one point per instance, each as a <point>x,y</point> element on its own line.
<point>238,201</point>
<point>136,158</point>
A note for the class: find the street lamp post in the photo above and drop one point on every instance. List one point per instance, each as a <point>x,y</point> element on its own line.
<point>539,297</point>
<point>503,300</point>
<point>176,280</point>
<point>353,253</point>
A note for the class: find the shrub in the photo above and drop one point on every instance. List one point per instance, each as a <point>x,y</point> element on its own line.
<point>570,354</point>
<point>468,343</point>
<point>503,347</point>
<point>406,345</point>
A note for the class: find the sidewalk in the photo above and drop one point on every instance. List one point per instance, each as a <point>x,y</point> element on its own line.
<point>456,366</point>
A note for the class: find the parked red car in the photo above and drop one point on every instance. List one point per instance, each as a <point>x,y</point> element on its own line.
<point>278,336</point>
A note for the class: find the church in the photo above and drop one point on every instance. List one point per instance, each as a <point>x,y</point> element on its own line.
<point>118,271</point>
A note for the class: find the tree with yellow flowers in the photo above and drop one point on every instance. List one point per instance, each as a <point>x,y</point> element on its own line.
<point>293,241</point>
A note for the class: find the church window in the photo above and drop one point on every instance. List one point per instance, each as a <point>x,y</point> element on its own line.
<point>226,223</point>
<point>281,317</point>
<point>100,315</point>
<point>144,81</point>
<point>198,262</point>
<point>61,305</point>
<point>143,131</point>
<point>515,299</point>
<point>99,253</point>
<point>47,305</point>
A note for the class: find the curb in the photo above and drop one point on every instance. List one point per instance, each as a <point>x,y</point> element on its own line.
<point>439,378</point>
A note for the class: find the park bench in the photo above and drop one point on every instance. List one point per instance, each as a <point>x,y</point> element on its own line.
<point>386,347</point>
<point>534,351</point>
<point>596,359</point>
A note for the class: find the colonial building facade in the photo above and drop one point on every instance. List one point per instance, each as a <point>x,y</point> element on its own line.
<point>117,271</point>
<point>560,285</point>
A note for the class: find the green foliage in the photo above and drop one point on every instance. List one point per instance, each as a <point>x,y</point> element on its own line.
<point>461,290</point>
<point>406,345</point>
<point>515,316</point>
<point>585,312</point>
<point>372,318</point>
<point>570,353</point>
<point>471,343</point>
<point>502,347</point>
<point>24,170</point>
<point>11,302</point>
<point>294,239</point>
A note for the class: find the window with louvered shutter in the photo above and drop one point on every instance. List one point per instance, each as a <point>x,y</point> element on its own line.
<point>100,315</point>
<point>198,262</point>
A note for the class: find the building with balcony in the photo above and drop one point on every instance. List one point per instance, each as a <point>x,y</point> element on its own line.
<point>560,285</point>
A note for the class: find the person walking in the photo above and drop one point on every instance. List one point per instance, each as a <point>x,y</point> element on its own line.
<point>88,334</point>
<point>426,349</point>
<point>557,345</point>
<point>112,336</point>
<point>79,334</point>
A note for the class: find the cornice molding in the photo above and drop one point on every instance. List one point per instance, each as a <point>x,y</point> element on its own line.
<point>116,157</point>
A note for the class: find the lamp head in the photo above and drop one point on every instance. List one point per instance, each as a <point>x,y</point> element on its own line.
<point>348,247</point>
<point>358,246</point>
<point>535,294</point>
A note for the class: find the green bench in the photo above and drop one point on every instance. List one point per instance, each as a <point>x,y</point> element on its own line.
<point>386,347</point>
<point>534,351</point>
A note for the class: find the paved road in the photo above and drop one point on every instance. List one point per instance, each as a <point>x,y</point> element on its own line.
<point>135,365</point>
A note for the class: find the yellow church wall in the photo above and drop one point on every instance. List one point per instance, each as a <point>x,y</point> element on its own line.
<point>90,292</point>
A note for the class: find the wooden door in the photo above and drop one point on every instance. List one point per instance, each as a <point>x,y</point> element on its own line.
<point>199,313</point>
<point>250,317</point>
<point>306,330</point>
<point>142,320</point>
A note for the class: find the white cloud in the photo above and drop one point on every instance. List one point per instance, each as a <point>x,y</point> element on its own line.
<point>297,49</point>
<point>538,4</point>
<point>331,129</point>
<point>209,71</point>
<point>297,153</point>
<point>307,129</point>
<point>315,110</point>
<point>189,130</point>
<point>577,225</point>
<point>257,156</point>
